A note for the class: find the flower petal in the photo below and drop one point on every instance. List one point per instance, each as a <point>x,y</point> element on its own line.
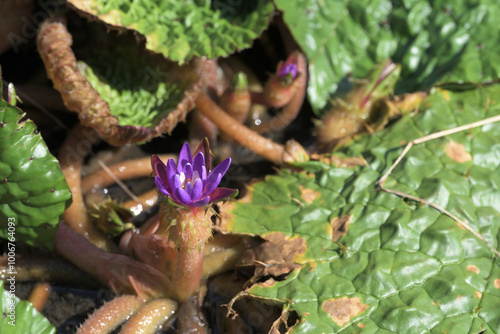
<point>199,163</point>
<point>157,165</point>
<point>197,189</point>
<point>188,171</point>
<point>184,157</point>
<point>204,147</point>
<point>211,184</point>
<point>182,196</point>
<point>162,187</point>
<point>171,172</point>
<point>202,202</point>
<point>215,176</point>
<point>221,193</point>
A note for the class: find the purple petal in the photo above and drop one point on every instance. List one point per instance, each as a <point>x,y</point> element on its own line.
<point>162,187</point>
<point>215,176</point>
<point>157,165</point>
<point>171,172</point>
<point>211,184</point>
<point>204,147</point>
<point>198,164</point>
<point>188,171</point>
<point>184,157</point>
<point>288,69</point>
<point>177,183</point>
<point>221,193</point>
<point>197,189</point>
<point>202,202</point>
<point>182,196</point>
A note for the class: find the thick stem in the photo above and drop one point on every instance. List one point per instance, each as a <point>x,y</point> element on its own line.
<point>123,171</point>
<point>150,318</point>
<point>190,232</point>
<point>243,135</point>
<point>120,272</point>
<point>73,151</point>
<point>39,295</point>
<point>295,95</point>
<point>110,315</point>
<point>49,268</point>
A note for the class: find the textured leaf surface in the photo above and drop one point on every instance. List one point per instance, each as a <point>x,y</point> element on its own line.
<point>33,190</point>
<point>408,268</point>
<point>141,89</point>
<point>27,318</point>
<point>433,40</point>
<point>181,30</point>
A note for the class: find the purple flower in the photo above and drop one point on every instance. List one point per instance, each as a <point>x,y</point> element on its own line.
<point>288,71</point>
<point>190,182</point>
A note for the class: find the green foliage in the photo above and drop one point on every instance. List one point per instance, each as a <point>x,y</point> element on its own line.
<point>27,318</point>
<point>33,191</point>
<point>140,89</point>
<point>434,41</point>
<point>408,268</point>
<point>181,30</point>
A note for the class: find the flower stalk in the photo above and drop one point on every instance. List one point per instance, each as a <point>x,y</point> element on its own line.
<point>189,188</point>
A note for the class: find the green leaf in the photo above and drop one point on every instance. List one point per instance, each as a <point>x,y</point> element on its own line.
<point>408,268</point>
<point>141,89</point>
<point>33,191</point>
<point>181,30</point>
<point>434,41</point>
<point>20,317</point>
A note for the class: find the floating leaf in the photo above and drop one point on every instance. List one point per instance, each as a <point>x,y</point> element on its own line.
<point>33,191</point>
<point>181,30</point>
<point>434,41</point>
<point>407,268</point>
<point>20,317</point>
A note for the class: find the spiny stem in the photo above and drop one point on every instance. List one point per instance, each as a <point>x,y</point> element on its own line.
<point>110,315</point>
<point>243,135</point>
<point>150,317</point>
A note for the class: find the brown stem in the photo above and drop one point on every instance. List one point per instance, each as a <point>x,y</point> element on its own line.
<point>150,318</point>
<point>292,108</point>
<point>120,272</point>
<point>38,267</point>
<point>221,254</point>
<point>123,171</point>
<point>39,295</point>
<point>243,135</point>
<point>190,317</point>
<point>146,200</point>
<point>73,151</point>
<point>110,315</point>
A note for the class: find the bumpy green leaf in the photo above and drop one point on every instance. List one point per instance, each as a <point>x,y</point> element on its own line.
<point>408,268</point>
<point>33,191</point>
<point>433,40</point>
<point>141,89</point>
<point>181,30</point>
<point>20,317</point>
